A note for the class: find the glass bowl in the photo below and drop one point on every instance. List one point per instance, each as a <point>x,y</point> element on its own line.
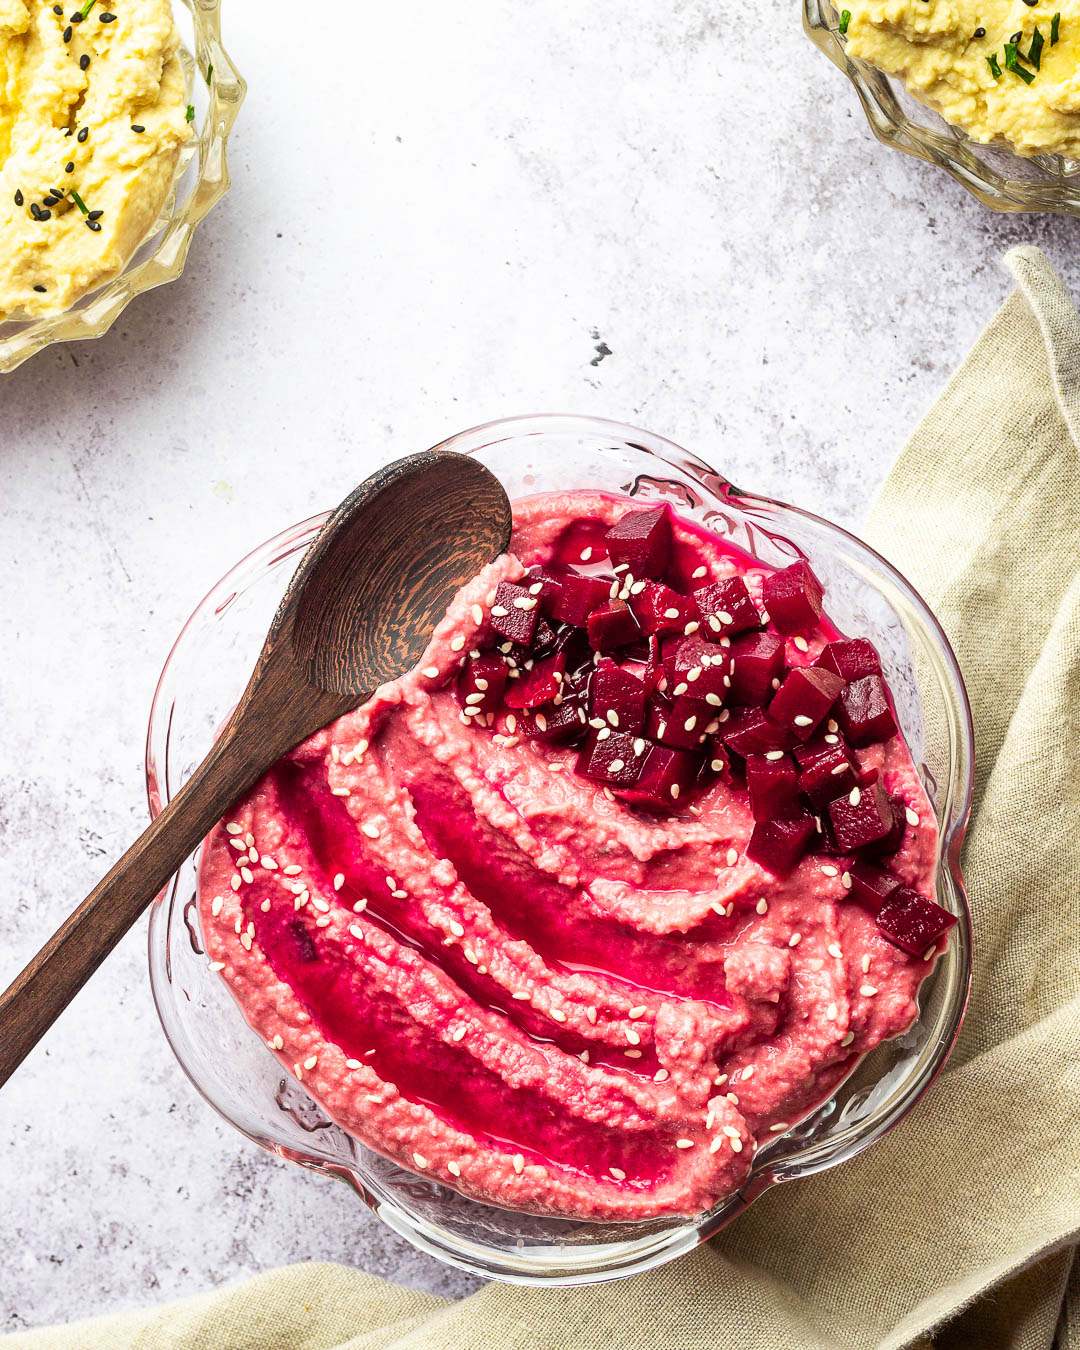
<point>996,175</point>
<point>215,90</point>
<point>230,1065</point>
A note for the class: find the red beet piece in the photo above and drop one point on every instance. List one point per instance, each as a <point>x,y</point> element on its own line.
<point>851,659</point>
<point>659,609</point>
<point>554,722</point>
<point>578,596</point>
<point>666,778</point>
<point>773,786</point>
<point>613,625</point>
<point>748,731</point>
<point>515,613</point>
<point>890,842</point>
<point>757,660</point>
<point>641,541</point>
<point>804,698</point>
<point>864,713</point>
<point>826,770</point>
<point>481,682</point>
<point>539,685</point>
<point>545,640</point>
<point>793,598</point>
<point>779,844</point>
<point>726,608</point>
<point>610,759</point>
<point>552,576</point>
<point>679,721</point>
<point>861,818</point>
<point>913,922</point>
<point>617,697</point>
<point>871,886</point>
<point>699,669</point>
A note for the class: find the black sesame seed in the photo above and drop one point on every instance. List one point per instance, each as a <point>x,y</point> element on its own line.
<point>980,32</point>
<point>18,197</point>
<point>70,131</point>
<point>69,167</point>
<point>76,17</point>
<point>67,33</point>
<point>35,210</point>
<point>83,135</point>
<point>1017,37</point>
<point>58,9</point>
<point>106,18</point>
<point>95,215</point>
<point>40,289</point>
<point>1031,3</point>
<point>44,215</point>
<point>84,61</point>
<point>93,225</point>
<point>135,127</point>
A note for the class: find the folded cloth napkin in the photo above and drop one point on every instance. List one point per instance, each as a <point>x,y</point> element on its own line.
<point>958,1229</point>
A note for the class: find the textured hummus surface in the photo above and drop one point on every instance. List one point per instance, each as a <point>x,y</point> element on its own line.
<point>75,102</point>
<point>942,50</point>
<point>487,968</point>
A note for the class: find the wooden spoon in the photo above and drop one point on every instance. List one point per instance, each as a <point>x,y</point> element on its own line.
<point>359,611</point>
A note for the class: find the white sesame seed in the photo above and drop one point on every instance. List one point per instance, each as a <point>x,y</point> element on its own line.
<point>830,871</point>
<point>478,614</point>
<point>519,1164</point>
<point>661,1076</point>
<point>356,932</point>
<point>238,843</point>
<point>835,950</point>
<point>694,673</point>
<point>736,1146</point>
<point>632,1036</point>
<point>360,906</point>
<point>848,1038</point>
<point>340,792</point>
<point>453,1168</point>
<point>731,1131</point>
<point>321,905</point>
<point>616,765</point>
<point>372,831</point>
<point>671,613</point>
<point>700,572</point>
<point>690,724</point>
<point>732,1098</point>
<point>732,857</point>
<point>293,870</point>
<point>458,1034</point>
<point>774,754</point>
<point>802,720</point>
<point>265,906</point>
<point>216,904</point>
<point>674,791</point>
<point>830,1012</point>
<point>323,921</point>
<point>521,995</point>
<point>420,1160</point>
<point>794,939</point>
<point>912,816</point>
<point>802,644</point>
<point>865,963</point>
<point>245,941</point>
<point>590,1013</point>
<point>762,906</point>
<point>247,874</point>
<point>855,796</point>
<point>339,881</point>
<point>613,717</point>
<point>720,1079</point>
<point>217,965</point>
<point>233,828</point>
<point>558,1015</point>
<point>603,733</point>
<point>684,1143</point>
<point>716,1143</point>
<point>617,1173</point>
<point>867,990</point>
<point>637,1012</point>
<point>457,643</point>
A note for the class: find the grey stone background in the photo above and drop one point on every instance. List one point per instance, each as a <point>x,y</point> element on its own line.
<point>439,213</point>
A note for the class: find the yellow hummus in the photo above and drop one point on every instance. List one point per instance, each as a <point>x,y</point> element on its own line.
<point>93,109</point>
<point>973,61</point>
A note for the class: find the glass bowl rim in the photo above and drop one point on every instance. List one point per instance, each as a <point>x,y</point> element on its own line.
<point>672,1243</point>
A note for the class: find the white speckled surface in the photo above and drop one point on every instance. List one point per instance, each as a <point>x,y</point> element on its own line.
<point>438,213</point>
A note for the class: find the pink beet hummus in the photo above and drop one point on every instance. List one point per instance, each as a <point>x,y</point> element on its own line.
<point>497,973</point>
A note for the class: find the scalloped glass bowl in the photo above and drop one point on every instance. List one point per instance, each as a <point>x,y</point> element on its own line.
<point>200,181</point>
<point>209,666</point>
<point>1001,179</point>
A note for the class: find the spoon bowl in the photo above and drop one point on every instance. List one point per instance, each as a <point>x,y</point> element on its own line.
<point>358,612</point>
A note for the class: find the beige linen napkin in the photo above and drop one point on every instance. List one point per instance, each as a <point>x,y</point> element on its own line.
<point>957,1229</point>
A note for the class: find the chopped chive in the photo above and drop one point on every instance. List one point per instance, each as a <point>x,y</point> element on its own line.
<point>209,71</point>
<point>845,19</point>
<point>191,112</point>
<point>995,69</point>
<point>87,8</point>
<point>1013,57</point>
<point>1055,26</point>
<point>79,202</point>
<point>1035,51</point>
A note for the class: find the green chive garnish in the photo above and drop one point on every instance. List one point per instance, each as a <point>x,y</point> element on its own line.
<point>995,69</point>
<point>1055,26</point>
<point>845,19</point>
<point>209,71</point>
<point>79,201</point>
<point>1035,51</point>
<point>1012,62</point>
<point>87,8</point>
<point>191,112</point>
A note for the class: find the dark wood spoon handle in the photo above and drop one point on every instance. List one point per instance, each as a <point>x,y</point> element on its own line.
<point>37,996</point>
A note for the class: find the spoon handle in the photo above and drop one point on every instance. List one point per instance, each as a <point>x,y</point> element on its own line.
<point>36,997</point>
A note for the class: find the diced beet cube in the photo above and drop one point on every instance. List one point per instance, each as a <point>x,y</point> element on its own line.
<point>773,786</point>
<point>793,598</point>
<point>851,659</point>
<point>871,886</point>
<point>641,541</point>
<point>552,576</point>
<point>545,640</point>
<point>700,669</point>
<point>578,596</point>
<point>804,698</point>
<point>613,625</point>
<point>861,818</point>
<point>481,683</point>
<point>659,609</point>
<point>539,685</point>
<point>556,722</point>
<point>679,721</point>
<point>895,837</point>
<point>913,922</point>
<point>611,759</point>
<point>617,697</point>
<point>779,844</point>
<point>718,764</point>
<point>667,776</point>
<point>864,713</point>
<point>757,660</point>
<point>748,731</point>
<point>726,608</point>
<point>825,770</point>
<point>515,613</point>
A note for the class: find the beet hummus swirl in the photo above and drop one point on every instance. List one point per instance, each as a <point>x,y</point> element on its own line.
<point>515,961</point>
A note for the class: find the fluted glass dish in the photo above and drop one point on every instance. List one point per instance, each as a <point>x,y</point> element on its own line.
<point>1000,178</point>
<point>215,90</point>
<point>231,1066</point>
